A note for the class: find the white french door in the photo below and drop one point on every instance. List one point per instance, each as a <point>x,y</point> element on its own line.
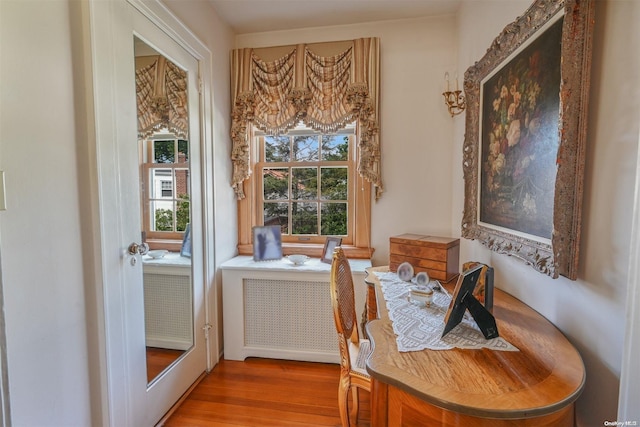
<point>130,400</point>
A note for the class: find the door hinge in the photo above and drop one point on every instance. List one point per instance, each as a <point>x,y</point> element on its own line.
<point>200,85</point>
<point>206,328</point>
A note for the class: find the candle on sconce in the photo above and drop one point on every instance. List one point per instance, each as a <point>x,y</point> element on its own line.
<point>455,100</point>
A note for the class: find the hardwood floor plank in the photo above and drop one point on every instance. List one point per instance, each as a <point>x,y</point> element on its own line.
<point>266,393</point>
<point>158,359</point>
<point>244,415</point>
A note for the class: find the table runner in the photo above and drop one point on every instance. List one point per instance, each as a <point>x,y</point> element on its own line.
<point>419,327</point>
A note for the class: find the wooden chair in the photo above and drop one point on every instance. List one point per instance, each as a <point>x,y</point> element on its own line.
<point>353,350</point>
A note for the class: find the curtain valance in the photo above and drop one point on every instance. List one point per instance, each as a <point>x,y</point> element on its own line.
<point>161,95</point>
<point>324,92</point>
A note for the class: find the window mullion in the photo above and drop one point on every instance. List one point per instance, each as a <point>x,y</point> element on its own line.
<point>318,199</point>
<point>174,193</point>
<point>290,189</point>
<point>290,204</point>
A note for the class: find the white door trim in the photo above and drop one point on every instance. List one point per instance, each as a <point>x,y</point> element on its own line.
<point>111,399</point>
<point>629,394</point>
<point>5,411</point>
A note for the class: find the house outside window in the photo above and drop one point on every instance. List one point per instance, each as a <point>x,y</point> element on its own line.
<point>165,189</point>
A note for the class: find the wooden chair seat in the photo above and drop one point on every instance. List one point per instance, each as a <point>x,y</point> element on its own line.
<point>358,354</point>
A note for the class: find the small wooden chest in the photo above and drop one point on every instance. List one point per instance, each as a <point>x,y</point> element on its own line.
<point>438,256</point>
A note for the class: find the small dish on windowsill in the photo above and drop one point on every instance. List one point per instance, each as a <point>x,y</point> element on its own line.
<point>158,253</point>
<point>297,259</point>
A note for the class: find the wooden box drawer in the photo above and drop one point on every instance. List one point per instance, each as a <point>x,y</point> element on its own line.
<point>438,256</point>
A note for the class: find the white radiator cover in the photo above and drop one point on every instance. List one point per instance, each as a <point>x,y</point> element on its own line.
<point>168,304</point>
<point>300,317</point>
<point>277,310</point>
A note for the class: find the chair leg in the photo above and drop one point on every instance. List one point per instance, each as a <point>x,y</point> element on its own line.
<point>343,401</point>
<point>354,404</point>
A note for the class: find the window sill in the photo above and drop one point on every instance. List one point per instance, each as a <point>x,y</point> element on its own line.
<point>170,245</point>
<point>313,250</point>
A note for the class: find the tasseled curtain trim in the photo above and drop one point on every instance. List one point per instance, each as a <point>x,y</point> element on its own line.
<point>161,95</point>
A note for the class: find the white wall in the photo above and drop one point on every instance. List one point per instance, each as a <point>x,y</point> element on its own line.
<point>591,310</point>
<point>415,128</point>
<point>40,231</point>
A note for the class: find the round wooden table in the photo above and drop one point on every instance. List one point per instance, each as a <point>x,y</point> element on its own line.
<point>536,386</point>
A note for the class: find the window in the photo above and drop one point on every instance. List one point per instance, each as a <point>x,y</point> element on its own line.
<point>306,182</point>
<point>165,192</point>
<point>305,178</point>
<point>167,188</point>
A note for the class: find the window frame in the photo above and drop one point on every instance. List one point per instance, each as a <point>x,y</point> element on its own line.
<point>357,244</point>
<point>170,240</point>
<point>319,164</point>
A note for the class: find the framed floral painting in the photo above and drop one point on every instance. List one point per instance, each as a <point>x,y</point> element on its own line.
<point>523,155</point>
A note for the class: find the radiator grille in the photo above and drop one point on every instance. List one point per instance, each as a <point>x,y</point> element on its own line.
<point>167,311</point>
<point>289,314</point>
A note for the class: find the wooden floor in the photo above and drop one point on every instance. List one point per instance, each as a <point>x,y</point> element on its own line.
<point>158,359</point>
<point>266,392</point>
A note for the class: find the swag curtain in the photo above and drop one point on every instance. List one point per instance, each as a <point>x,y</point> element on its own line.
<point>324,92</point>
<point>161,97</point>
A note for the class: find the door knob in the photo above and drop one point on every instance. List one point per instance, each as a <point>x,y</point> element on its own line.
<point>138,248</point>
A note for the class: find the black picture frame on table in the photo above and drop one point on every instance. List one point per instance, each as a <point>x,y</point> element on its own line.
<point>463,299</point>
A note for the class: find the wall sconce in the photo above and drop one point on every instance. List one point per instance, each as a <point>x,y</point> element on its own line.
<point>454,99</point>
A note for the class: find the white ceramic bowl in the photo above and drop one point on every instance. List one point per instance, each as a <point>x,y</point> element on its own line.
<point>298,259</point>
<point>158,253</point>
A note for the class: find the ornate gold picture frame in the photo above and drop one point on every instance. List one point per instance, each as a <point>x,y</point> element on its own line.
<point>524,148</point>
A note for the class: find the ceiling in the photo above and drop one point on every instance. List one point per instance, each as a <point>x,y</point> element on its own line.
<point>254,16</point>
